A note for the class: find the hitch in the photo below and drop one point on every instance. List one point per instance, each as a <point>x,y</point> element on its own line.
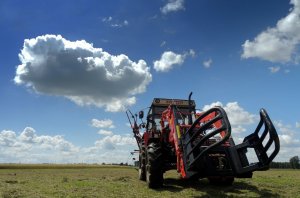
<point>257,142</point>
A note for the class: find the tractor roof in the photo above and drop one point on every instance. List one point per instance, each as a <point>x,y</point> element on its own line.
<point>167,102</point>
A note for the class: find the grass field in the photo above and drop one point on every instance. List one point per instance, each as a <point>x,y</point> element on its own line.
<point>116,181</point>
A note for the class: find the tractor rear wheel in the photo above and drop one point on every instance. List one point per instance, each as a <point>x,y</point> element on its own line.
<point>142,164</point>
<point>154,167</point>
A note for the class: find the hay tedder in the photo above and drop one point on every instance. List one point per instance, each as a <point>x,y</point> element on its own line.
<point>198,144</point>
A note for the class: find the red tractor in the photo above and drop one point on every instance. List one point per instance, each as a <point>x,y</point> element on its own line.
<point>198,145</point>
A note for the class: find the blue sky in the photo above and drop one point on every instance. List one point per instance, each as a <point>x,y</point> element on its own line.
<point>70,69</point>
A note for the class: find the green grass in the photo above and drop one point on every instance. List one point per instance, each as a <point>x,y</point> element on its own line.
<point>116,181</point>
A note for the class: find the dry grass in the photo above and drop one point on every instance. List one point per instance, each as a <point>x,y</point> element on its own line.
<point>115,181</point>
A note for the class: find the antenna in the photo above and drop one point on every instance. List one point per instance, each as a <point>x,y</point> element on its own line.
<point>190,110</point>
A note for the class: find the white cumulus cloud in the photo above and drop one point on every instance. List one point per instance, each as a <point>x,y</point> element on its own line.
<point>237,116</point>
<point>114,23</point>
<point>207,63</point>
<point>106,123</point>
<point>76,70</point>
<point>7,138</point>
<point>170,59</point>
<point>105,132</point>
<point>172,6</point>
<point>107,19</point>
<point>111,142</point>
<point>30,147</point>
<point>287,133</point>
<point>28,135</point>
<point>279,43</point>
<point>274,69</point>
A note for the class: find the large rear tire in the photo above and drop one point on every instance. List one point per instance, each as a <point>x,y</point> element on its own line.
<point>154,167</point>
<point>142,164</point>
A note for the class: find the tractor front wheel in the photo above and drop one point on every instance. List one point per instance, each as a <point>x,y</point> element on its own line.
<point>154,166</point>
<point>142,164</point>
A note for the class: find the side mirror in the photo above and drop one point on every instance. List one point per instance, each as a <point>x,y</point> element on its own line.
<point>141,114</point>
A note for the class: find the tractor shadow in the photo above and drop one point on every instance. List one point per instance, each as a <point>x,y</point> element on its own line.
<point>238,188</point>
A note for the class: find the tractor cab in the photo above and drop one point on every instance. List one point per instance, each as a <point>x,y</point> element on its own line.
<point>155,127</point>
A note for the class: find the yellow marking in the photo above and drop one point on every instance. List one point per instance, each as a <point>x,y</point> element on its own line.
<point>178,131</point>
